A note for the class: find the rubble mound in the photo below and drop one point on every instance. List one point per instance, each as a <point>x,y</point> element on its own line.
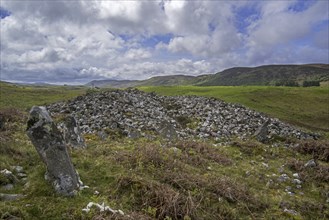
<point>139,114</point>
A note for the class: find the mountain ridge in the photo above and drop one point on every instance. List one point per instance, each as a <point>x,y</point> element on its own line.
<point>235,76</point>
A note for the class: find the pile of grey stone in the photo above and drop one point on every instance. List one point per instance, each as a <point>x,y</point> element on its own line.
<point>138,114</point>
<point>9,178</point>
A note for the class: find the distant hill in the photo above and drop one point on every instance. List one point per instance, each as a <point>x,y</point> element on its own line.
<point>172,80</point>
<point>269,75</point>
<point>262,75</point>
<point>113,83</point>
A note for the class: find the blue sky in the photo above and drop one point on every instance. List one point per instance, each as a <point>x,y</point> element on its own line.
<point>78,41</point>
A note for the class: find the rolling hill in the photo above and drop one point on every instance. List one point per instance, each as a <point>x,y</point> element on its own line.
<point>261,75</point>
<point>269,75</point>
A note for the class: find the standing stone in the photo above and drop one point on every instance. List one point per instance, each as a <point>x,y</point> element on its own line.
<point>2,122</point>
<point>167,131</point>
<point>51,147</point>
<point>262,132</point>
<point>71,132</point>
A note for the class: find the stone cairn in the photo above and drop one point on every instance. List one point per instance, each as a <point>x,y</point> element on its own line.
<point>134,114</point>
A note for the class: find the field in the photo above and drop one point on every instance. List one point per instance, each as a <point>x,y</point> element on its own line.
<point>24,97</point>
<point>194,179</point>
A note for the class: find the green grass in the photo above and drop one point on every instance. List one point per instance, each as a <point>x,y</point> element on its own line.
<point>187,179</point>
<point>24,97</point>
<point>304,107</point>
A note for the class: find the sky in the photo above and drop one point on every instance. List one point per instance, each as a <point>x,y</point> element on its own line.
<point>76,41</point>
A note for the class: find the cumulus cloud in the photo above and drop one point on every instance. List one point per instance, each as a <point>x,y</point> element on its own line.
<point>76,41</point>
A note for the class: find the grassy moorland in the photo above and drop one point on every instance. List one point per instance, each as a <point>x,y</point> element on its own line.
<point>193,179</point>
<point>305,107</point>
<point>24,97</point>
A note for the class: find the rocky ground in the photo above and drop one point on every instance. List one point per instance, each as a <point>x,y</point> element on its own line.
<point>135,113</point>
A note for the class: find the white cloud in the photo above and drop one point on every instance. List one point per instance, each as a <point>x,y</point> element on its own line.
<point>81,40</point>
<point>137,54</point>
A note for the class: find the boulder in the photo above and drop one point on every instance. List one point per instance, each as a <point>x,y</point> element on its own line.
<point>50,145</point>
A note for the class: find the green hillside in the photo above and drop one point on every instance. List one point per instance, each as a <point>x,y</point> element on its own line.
<point>269,75</point>
<point>262,75</point>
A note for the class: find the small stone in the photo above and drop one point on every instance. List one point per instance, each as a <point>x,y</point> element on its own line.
<point>281,169</point>
<point>290,211</point>
<point>291,193</point>
<point>310,163</point>
<point>21,175</point>
<point>265,164</point>
<point>9,175</point>
<point>283,177</point>
<point>8,186</point>
<point>296,175</point>
<point>18,169</point>
<point>209,168</point>
<point>296,181</point>
<point>96,193</point>
<point>10,197</point>
<point>298,186</point>
<point>288,188</point>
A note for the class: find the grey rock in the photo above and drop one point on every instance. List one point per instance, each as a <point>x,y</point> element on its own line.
<point>290,211</point>
<point>262,132</point>
<point>71,132</point>
<point>51,147</point>
<point>10,197</point>
<point>9,175</point>
<point>283,177</point>
<point>8,186</point>
<point>2,122</point>
<point>310,163</point>
<point>21,175</point>
<point>18,169</point>
<point>296,181</point>
<point>167,131</point>
<point>296,175</point>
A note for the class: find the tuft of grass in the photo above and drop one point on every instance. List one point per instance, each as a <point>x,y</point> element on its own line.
<point>319,173</point>
<point>318,149</point>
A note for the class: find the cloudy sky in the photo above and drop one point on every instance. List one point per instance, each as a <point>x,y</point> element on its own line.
<point>75,41</point>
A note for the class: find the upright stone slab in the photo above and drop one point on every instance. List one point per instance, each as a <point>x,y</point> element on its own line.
<point>51,147</point>
<point>262,132</point>
<point>71,132</point>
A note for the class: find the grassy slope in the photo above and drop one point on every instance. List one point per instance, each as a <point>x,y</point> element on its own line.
<point>306,107</point>
<point>24,97</point>
<point>192,179</point>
